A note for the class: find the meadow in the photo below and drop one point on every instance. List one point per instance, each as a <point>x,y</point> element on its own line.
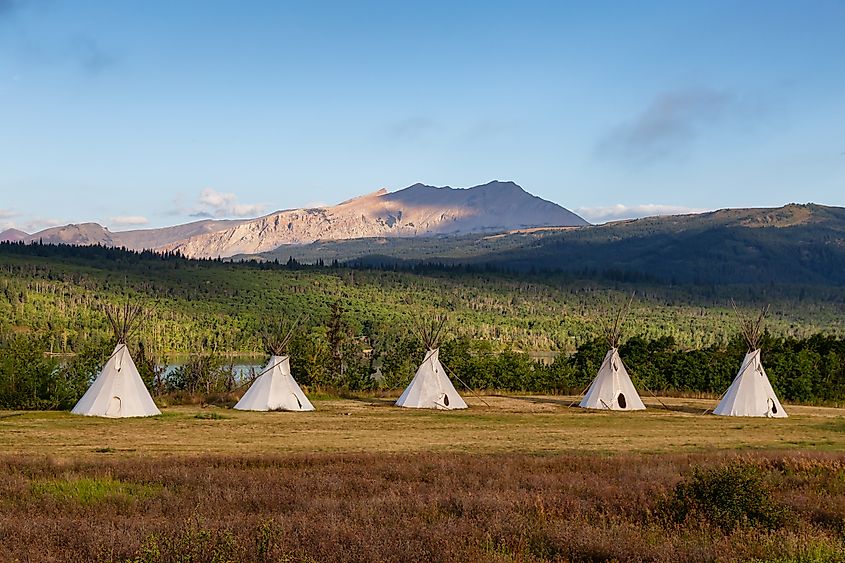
<point>370,424</point>
<point>513,478</point>
<point>520,476</point>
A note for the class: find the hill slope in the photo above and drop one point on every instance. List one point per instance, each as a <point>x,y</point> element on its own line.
<point>794,244</point>
<point>13,235</point>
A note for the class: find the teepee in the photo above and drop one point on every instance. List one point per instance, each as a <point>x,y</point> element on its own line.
<point>612,388</point>
<point>119,391</point>
<point>751,393</point>
<point>276,389</point>
<point>431,387</point>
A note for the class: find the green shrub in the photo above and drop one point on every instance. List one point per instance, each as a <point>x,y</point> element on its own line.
<point>86,491</point>
<point>728,497</point>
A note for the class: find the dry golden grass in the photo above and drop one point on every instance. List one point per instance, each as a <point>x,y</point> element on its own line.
<point>361,480</point>
<point>429,507</point>
<point>520,424</point>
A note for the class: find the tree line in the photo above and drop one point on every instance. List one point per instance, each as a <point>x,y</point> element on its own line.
<point>809,370</point>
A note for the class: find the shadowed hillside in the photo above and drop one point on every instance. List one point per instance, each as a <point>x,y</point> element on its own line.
<point>795,244</point>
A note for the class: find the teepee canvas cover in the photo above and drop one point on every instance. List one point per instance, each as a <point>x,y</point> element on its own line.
<point>275,389</point>
<point>431,388</point>
<point>119,391</point>
<point>612,388</point>
<point>751,394</point>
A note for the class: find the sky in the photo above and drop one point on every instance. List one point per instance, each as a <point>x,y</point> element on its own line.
<point>146,114</point>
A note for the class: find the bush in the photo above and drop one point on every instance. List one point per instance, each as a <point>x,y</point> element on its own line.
<point>728,497</point>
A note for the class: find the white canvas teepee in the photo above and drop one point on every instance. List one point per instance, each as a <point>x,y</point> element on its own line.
<point>612,388</point>
<point>431,388</point>
<point>751,393</point>
<point>275,389</point>
<point>119,391</point>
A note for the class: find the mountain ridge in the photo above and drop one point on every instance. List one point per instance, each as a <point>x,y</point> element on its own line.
<point>410,212</point>
<point>795,243</point>
<point>13,235</point>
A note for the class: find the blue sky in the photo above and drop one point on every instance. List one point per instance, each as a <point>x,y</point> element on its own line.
<point>152,113</point>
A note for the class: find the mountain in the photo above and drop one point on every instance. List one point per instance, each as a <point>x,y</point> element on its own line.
<point>418,210</point>
<point>12,235</point>
<point>794,244</point>
<point>142,239</point>
<point>159,238</point>
<point>415,211</point>
<point>83,234</point>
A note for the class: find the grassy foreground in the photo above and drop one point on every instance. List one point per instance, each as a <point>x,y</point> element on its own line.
<point>524,424</point>
<point>523,479</point>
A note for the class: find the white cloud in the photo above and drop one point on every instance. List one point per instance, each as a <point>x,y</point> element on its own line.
<point>129,220</point>
<point>218,204</point>
<point>620,211</point>
<point>5,216</point>
<point>667,126</point>
<point>30,224</point>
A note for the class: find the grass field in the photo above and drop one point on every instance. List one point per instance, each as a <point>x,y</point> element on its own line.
<point>524,424</point>
<point>522,478</point>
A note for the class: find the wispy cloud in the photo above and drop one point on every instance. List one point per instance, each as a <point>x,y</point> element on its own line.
<point>91,57</point>
<point>620,211</point>
<point>12,220</point>
<point>129,221</point>
<point>667,126</point>
<point>412,128</point>
<point>5,219</point>
<point>218,204</point>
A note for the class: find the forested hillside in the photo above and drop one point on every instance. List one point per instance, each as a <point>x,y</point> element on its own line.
<point>357,322</point>
<point>793,245</point>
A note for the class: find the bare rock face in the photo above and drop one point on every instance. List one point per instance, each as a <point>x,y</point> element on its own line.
<point>418,210</point>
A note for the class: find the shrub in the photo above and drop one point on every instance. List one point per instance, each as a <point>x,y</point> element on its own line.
<point>728,497</point>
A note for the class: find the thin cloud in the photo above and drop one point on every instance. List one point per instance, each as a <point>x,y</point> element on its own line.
<point>667,126</point>
<point>412,128</point>
<point>5,216</point>
<point>29,225</point>
<point>214,204</point>
<point>129,221</point>
<point>90,55</point>
<point>620,211</point>
<point>490,129</point>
